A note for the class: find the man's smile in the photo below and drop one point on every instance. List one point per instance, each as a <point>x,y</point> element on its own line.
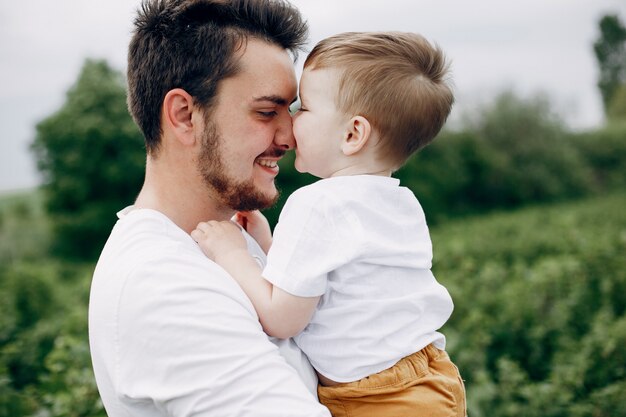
<point>269,163</point>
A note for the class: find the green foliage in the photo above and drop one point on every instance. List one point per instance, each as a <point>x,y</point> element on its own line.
<point>45,365</point>
<point>605,153</point>
<point>537,162</point>
<point>512,152</point>
<point>69,390</point>
<point>24,229</point>
<point>610,50</point>
<point>92,157</point>
<point>540,318</point>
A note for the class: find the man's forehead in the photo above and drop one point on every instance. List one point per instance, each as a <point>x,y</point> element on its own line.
<point>277,87</point>
<point>265,74</point>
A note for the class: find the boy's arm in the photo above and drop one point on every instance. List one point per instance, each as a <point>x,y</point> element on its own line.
<point>281,314</point>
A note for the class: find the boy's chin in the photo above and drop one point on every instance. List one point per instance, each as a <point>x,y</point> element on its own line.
<point>299,168</point>
<point>303,170</point>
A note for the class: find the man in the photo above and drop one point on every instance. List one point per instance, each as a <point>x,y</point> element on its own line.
<point>171,334</point>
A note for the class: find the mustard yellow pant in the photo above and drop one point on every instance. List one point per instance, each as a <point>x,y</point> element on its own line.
<point>425,383</point>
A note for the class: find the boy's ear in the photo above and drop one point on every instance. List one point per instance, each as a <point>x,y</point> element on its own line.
<point>356,136</point>
<point>178,109</point>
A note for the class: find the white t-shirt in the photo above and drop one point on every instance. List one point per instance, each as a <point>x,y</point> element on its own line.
<point>361,242</point>
<point>172,334</point>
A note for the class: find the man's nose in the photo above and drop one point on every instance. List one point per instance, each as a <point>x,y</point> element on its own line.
<point>284,138</point>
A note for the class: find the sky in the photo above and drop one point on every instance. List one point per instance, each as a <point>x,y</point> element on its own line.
<point>530,47</point>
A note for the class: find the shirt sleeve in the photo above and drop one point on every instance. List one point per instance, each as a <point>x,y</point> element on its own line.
<point>307,245</point>
<point>191,345</point>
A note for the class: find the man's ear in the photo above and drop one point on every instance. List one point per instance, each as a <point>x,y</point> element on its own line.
<point>178,109</point>
<point>356,136</point>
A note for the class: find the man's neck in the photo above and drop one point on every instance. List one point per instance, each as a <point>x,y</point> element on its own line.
<point>185,201</point>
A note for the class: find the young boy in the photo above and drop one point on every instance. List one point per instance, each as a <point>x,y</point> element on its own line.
<point>348,270</point>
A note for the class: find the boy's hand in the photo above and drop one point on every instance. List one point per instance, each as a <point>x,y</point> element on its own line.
<point>218,240</point>
<point>257,226</point>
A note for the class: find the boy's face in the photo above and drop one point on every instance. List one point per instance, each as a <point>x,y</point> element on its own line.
<point>319,126</point>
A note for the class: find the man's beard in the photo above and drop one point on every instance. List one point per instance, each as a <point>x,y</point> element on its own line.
<point>237,195</point>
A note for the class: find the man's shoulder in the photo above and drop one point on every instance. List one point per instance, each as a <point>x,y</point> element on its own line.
<point>148,267</point>
<point>147,245</point>
<point>147,233</point>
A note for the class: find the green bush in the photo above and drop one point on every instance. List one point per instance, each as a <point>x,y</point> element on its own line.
<point>511,153</point>
<point>453,176</point>
<point>24,229</point>
<point>540,318</point>
<point>45,367</point>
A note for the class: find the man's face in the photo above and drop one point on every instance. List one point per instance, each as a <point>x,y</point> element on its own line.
<point>250,129</point>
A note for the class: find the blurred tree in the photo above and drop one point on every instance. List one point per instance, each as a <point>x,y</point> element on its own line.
<point>538,160</point>
<point>451,176</point>
<point>605,152</point>
<point>511,152</point>
<point>92,157</point>
<point>610,50</point>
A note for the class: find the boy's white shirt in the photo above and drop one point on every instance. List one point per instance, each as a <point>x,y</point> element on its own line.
<point>362,243</point>
<point>172,334</point>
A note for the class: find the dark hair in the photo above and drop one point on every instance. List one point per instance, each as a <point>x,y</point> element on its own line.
<point>397,80</point>
<point>191,44</point>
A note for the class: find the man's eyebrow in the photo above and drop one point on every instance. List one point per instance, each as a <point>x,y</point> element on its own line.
<point>274,99</point>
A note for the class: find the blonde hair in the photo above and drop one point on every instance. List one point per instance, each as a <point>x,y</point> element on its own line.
<point>397,80</point>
